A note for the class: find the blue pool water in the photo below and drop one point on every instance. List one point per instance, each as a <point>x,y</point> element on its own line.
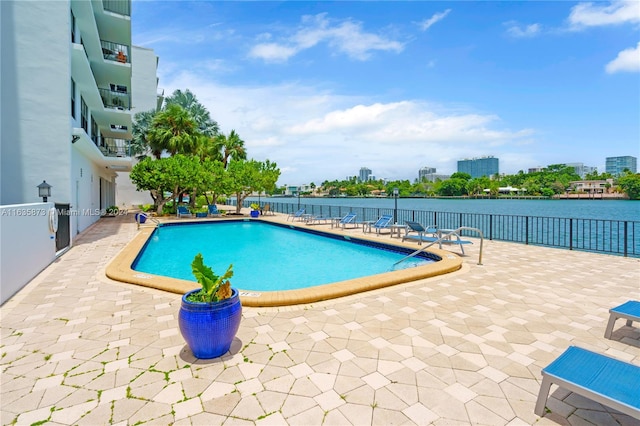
<point>265,257</point>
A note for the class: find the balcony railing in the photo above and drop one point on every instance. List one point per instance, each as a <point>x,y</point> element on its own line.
<point>122,7</point>
<point>116,100</point>
<point>114,147</point>
<point>115,52</point>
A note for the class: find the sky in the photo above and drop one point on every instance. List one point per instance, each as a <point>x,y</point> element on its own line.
<point>325,88</point>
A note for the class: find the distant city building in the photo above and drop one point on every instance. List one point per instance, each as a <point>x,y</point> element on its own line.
<point>429,174</point>
<point>617,165</point>
<point>478,167</point>
<point>581,169</point>
<point>433,177</point>
<point>426,171</point>
<point>535,169</point>
<point>364,175</point>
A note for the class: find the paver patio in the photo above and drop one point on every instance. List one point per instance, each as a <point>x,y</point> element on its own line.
<point>463,348</point>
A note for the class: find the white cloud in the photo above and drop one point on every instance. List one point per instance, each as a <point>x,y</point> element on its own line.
<point>346,37</point>
<point>596,14</point>
<point>518,31</point>
<point>273,52</point>
<point>315,135</point>
<point>627,61</point>
<point>427,23</point>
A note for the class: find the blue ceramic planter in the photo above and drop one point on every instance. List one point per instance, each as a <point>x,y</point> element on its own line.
<point>209,328</point>
<point>254,213</point>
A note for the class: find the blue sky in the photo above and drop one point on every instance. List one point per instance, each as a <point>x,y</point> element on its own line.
<point>324,88</point>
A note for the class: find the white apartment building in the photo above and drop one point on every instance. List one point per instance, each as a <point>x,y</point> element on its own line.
<point>70,84</point>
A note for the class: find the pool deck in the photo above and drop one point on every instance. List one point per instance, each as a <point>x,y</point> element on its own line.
<point>462,348</point>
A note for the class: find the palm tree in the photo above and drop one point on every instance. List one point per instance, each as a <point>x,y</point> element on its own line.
<point>141,125</point>
<point>173,130</point>
<point>232,147</point>
<point>199,113</point>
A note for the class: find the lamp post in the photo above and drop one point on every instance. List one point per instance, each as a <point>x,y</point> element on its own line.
<point>44,191</point>
<point>298,198</point>
<point>395,209</point>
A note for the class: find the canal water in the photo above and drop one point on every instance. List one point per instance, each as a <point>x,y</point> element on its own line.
<point>623,210</point>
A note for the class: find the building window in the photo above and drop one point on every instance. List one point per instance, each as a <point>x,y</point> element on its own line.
<point>84,115</point>
<point>73,98</point>
<point>94,131</point>
<point>73,28</point>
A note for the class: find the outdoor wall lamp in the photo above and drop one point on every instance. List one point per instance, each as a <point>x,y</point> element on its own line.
<point>44,191</point>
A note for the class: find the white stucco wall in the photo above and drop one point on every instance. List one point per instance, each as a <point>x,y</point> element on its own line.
<point>144,95</point>
<point>36,129</point>
<point>27,245</point>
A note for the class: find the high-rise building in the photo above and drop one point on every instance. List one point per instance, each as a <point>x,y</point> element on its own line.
<point>425,172</point>
<point>581,169</point>
<point>68,83</point>
<point>364,175</point>
<point>617,165</point>
<point>480,166</point>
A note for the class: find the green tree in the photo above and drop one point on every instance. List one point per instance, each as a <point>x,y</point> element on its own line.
<point>170,175</point>
<point>141,125</point>
<point>461,175</point>
<point>188,101</point>
<point>246,176</point>
<point>452,187</point>
<point>630,184</point>
<point>173,130</point>
<point>231,147</point>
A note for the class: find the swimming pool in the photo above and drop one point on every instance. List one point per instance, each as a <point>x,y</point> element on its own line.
<point>268,257</point>
<point>266,253</point>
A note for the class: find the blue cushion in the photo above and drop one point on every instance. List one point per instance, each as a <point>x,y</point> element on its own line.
<point>614,379</point>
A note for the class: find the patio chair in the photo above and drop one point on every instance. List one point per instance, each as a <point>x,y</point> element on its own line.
<point>384,222</point>
<point>348,220</point>
<point>629,311</point>
<point>266,209</point>
<point>213,210</point>
<point>296,216</point>
<point>183,211</point>
<point>316,220</point>
<point>419,233</point>
<point>606,380</point>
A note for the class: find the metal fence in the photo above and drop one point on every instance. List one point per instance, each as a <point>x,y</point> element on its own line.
<point>594,235</point>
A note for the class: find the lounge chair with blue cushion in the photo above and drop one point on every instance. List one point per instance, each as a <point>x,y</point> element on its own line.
<point>296,216</point>
<point>384,222</point>
<point>419,233</point>
<point>349,220</point>
<point>183,211</point>
<point>629,310</point>
<point>213,210</point>
<point>606,380</point>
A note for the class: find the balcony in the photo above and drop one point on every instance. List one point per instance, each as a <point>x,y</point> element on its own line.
<point>115,52</point>
<point>121,7</point>
<point>115,99</point>
<point>111,147</point>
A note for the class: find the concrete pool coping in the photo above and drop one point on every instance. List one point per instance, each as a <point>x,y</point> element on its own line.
<point>119,269</point>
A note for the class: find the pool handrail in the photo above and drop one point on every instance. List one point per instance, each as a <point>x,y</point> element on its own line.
<point>445,236</point>
<point>147,217</point>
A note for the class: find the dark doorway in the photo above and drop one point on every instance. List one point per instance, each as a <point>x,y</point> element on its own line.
<point>63,234</point>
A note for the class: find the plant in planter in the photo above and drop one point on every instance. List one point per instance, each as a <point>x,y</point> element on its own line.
<point>255,209</point>
<point>209,317</point>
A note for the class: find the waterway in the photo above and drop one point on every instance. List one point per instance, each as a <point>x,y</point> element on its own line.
<point>624,210</point>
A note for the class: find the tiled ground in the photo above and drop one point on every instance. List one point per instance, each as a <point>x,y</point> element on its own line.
<point>465,348</point>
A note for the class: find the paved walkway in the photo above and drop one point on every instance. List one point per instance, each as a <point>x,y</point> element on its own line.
<point>465,348</point>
